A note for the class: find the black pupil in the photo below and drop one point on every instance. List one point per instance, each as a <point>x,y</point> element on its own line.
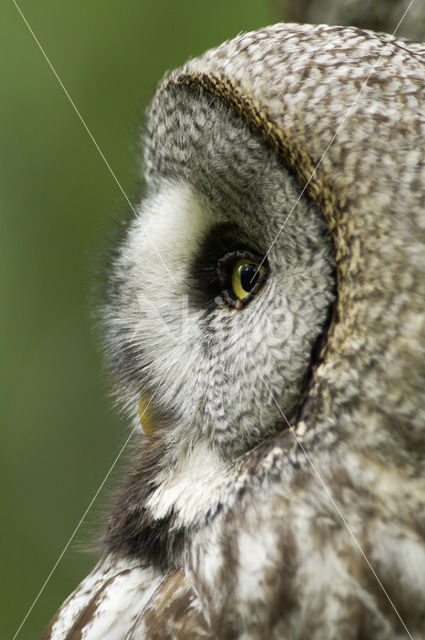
<point>249,277</point>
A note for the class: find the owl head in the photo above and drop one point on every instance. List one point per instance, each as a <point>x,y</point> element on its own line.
<point>265,321</point>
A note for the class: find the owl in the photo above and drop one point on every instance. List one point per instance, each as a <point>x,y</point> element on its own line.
<point>264,323</point>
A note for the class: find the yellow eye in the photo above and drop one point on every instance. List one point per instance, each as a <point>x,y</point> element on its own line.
<point>245,276</point>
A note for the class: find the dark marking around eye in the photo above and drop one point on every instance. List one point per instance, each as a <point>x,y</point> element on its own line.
<point>211,272</point>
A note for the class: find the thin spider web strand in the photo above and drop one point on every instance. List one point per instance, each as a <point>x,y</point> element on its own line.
<point>338,510</point>
<point>91,137</point>
<point>346,116</point>
<point>102,484</point>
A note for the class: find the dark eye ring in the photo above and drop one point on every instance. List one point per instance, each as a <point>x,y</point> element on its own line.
<point>241,273</point>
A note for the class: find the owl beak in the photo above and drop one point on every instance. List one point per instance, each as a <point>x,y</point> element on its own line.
<point>145,417</point>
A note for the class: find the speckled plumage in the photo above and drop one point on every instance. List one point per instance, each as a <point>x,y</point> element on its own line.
<point>230,526</point>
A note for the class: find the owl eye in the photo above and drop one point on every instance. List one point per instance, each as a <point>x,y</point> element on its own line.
<point>245,276</point>
<point>242,273</point>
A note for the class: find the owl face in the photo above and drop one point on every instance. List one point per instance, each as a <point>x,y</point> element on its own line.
<point>221,288</point>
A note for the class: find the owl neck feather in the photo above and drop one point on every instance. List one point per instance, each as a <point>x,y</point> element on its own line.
<point>163,500</point>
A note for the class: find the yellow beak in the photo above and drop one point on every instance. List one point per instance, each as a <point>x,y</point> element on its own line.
<point>145,417</point>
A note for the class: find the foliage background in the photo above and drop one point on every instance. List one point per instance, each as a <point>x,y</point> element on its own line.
<point>58,207</point>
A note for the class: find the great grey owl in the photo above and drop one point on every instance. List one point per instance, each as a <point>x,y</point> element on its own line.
<point>264,316</point>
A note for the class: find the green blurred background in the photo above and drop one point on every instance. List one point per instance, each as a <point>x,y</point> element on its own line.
<point>58,206</point>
